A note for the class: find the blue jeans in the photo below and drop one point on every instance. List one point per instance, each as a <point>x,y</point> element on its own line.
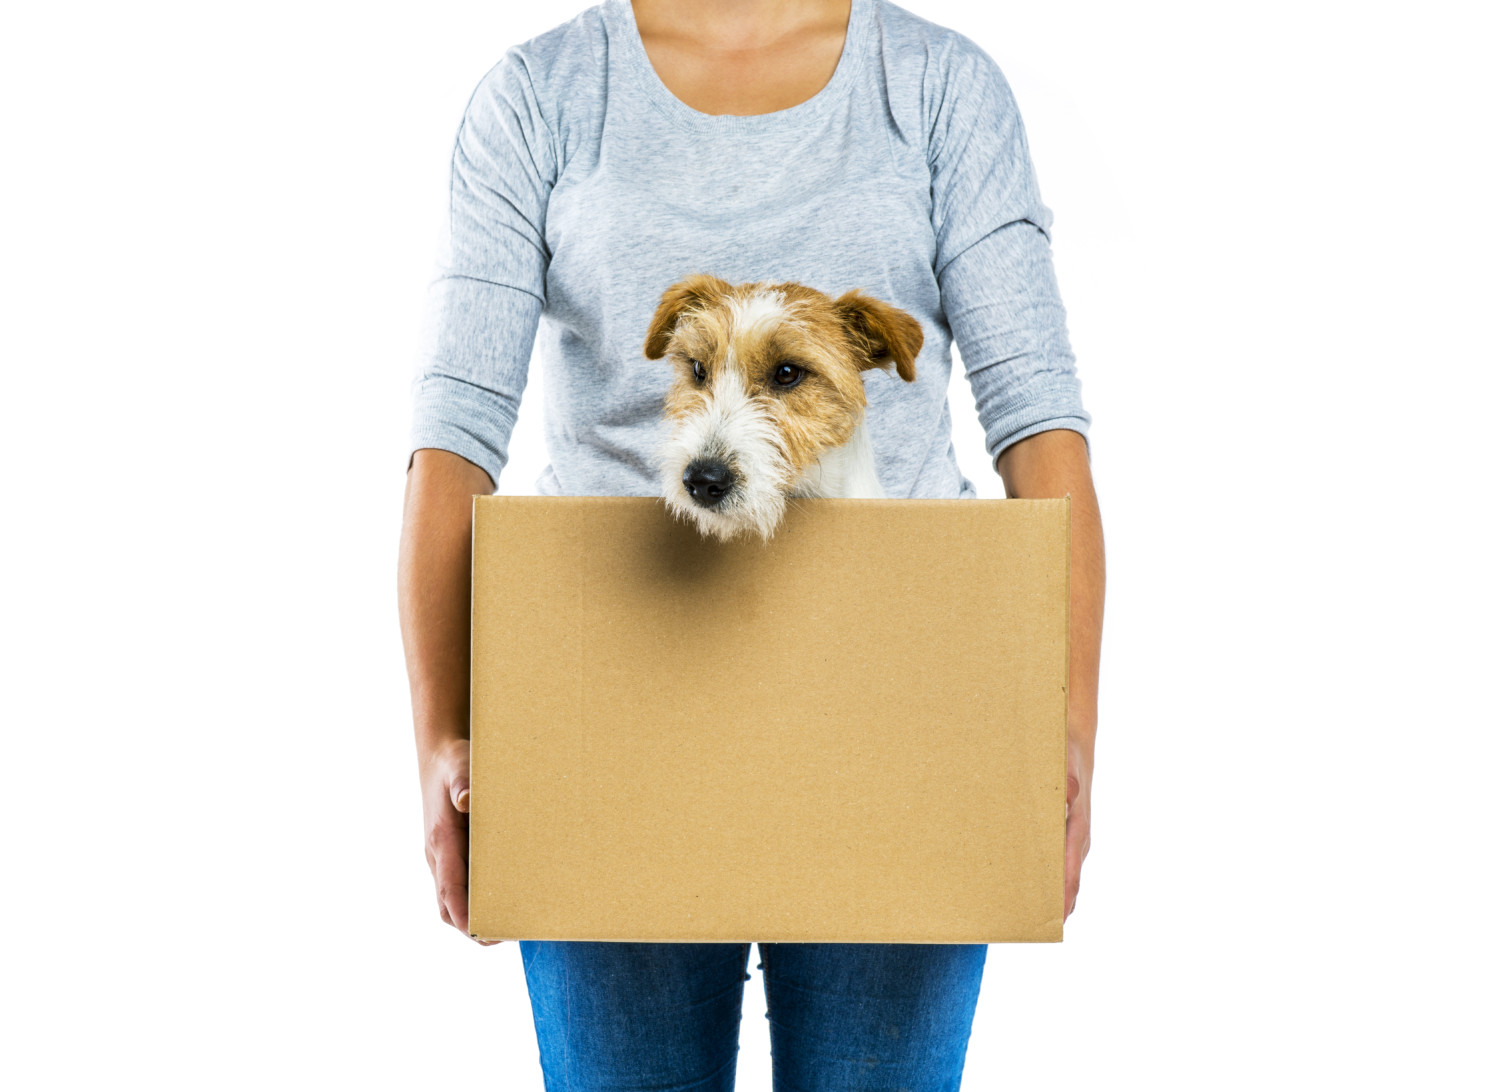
<point>844,1017</point>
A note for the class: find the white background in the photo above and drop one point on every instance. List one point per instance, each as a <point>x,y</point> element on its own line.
<point>1276,237</point>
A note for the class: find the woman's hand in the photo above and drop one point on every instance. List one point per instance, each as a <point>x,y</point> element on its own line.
<point>1080,779</point>
<point>445,813</point>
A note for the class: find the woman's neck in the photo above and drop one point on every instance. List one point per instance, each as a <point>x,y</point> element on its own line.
<point>743,57</point>
<point>737,26</point>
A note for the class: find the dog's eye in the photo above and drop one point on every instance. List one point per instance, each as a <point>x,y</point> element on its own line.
<point>699,372</point>
<point>787,375</point>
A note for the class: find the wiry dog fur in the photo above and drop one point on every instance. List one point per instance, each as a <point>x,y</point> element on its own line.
<point>733,348</point>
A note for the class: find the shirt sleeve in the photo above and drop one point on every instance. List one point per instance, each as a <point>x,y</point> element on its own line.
<point>486,298</point>
<point>993,258</point>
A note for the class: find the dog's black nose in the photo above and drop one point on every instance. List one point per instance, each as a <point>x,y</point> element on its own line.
<point>707,481</point>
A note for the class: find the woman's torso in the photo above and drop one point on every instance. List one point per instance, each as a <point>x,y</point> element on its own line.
<point>834,192</point>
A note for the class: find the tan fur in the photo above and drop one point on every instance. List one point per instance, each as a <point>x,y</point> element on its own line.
<point>834,341</point>
<point>696,291</point>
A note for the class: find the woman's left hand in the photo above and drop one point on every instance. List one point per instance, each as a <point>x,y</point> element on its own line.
<point>1080,780</point>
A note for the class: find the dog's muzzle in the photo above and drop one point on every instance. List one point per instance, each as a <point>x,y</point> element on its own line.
<point>708,481</point>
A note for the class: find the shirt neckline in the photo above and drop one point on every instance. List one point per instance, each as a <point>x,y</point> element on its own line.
<point>622,16</point>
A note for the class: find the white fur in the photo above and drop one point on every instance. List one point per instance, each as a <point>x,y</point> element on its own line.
<point>765,306</point>
<point>729,426</point>
<point>847,471</point>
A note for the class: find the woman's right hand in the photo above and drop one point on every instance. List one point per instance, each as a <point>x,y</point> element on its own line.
<point>445,813</point>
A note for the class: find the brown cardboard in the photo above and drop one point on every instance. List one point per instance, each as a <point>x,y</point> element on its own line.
<point>854,732</point>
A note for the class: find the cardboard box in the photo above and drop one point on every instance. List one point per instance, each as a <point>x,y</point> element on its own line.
<point>855,732</point>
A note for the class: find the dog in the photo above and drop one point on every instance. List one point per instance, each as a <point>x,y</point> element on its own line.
<point>768,398</point>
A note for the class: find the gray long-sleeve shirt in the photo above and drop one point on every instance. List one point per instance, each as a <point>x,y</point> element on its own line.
<point>582,188</point>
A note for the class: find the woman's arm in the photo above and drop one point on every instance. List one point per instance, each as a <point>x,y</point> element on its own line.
<point>1055,463</point>
<point>433,596</point>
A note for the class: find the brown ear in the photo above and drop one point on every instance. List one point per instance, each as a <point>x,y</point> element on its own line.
<point>692,291</point>
<point>881,335</point>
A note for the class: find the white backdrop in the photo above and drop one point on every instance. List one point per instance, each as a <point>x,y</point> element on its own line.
<point>1276,236</point>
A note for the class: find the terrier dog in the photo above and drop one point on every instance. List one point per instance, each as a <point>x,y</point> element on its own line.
<point>768,401</point>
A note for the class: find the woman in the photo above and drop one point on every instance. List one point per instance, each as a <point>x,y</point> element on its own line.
<point>834,143</point>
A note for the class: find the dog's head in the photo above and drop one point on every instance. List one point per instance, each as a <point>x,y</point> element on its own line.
<point>769,377</point>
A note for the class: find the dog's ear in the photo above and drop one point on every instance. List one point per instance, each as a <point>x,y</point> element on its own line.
<point>696,290</point>
<point>881,335</point>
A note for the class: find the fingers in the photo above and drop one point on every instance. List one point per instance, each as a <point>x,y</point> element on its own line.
<point>450,872</point>
<point>432,866</point>
<point>1076,838</point>
<point>446,796</point>
<point>1076,849</point>
<point>1070,891</point>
